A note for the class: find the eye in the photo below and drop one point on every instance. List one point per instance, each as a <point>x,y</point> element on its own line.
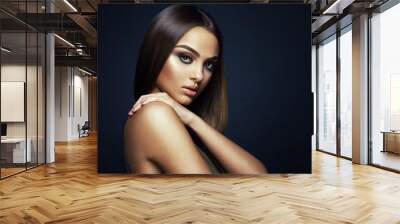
<point>185,58</point>
<point>210,66</point>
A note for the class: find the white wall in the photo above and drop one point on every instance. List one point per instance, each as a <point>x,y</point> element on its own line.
<point>71,102</point>
<point>61,103</point>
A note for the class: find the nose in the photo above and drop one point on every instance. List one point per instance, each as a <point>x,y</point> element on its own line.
<point>197,74</point>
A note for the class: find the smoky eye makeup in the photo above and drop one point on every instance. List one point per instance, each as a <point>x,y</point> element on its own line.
<point>188,58</point>
<point>185,58</point>
<point>211,64</point>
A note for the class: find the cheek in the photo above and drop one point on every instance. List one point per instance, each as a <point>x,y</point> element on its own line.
<point>169,75</point>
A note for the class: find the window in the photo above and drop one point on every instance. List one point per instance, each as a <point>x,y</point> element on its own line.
<point>385,88</point>
<point>327,95</point>
<point>346,93</point>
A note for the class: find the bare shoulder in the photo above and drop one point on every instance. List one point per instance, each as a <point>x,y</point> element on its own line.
<point>152,122</point>
<point>156,133</point>
<point>152,118</point>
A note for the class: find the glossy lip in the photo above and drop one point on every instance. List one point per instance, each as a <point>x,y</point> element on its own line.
<point>189,91</point>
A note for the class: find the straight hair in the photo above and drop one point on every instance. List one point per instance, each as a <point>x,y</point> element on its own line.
<point>160,39</point>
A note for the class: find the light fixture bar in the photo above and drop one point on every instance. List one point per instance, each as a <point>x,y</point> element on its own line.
<point>64,40</point>
<point>5,49</point>
<point>70,5</point>
<point>337,7</point>
<point>84,71</point>
<point>331,7</point>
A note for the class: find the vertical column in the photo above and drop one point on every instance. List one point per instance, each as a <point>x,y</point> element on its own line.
<point>360,90</point>
<point>50,92</point>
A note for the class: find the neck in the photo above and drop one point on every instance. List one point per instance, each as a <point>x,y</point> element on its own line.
<point>156,90</point>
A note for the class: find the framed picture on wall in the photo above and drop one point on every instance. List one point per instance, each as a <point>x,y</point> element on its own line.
<point>207,88</point>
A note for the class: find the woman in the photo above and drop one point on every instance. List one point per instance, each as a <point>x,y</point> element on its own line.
<point>179,84</point>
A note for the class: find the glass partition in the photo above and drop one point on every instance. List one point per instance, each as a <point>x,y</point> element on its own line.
<point>22,90</point>
<point>13,94</point>
<point>327,95</point>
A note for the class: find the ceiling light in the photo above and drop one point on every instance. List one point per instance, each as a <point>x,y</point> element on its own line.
<point>5,50</point>
<point>65,41</point>
<point>70,5</point>
<point>330,7</point>
<point>338,6</point>
<point>84,71</point>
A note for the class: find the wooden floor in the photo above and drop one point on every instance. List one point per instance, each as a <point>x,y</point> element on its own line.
<point>5,172</point>
<point>71,191</point>
<point>387,159</point>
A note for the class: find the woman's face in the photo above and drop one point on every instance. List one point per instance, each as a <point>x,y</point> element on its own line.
<point>189,67</point>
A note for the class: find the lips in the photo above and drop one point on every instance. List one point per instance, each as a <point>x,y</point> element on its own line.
<point>190,91</point>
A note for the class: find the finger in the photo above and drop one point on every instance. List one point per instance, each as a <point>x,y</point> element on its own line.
<point>137,107</point>
<point>145,99</point>
<point>138,102</point>
<point>134,109</point>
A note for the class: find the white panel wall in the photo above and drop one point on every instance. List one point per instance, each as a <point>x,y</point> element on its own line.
<point>71,101</point>
<point>12,101</point>
<point>62,80</point>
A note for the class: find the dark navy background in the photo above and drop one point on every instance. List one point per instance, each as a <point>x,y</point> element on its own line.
<point>267,50</point>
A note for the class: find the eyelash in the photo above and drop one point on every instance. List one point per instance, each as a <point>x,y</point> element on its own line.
<point>184,58</point>
<point>181,56</point>
<point>212,68</point>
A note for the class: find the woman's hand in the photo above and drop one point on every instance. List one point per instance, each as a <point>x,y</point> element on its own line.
<point>184,114</point>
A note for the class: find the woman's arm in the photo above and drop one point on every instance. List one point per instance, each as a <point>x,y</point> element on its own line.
<point>155,134</point>
<point>234,158</point>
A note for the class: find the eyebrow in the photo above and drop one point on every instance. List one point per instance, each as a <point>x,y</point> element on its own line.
<point>194,51</point>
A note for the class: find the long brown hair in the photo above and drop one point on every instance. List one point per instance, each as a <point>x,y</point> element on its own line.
<point>160,39</point>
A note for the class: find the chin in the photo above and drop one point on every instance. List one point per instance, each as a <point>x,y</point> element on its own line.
<point>184,100</point>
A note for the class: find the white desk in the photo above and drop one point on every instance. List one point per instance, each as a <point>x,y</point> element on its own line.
<point>17,147</point>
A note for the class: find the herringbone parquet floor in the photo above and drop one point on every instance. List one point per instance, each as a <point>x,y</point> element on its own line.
<point>71,191</point>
